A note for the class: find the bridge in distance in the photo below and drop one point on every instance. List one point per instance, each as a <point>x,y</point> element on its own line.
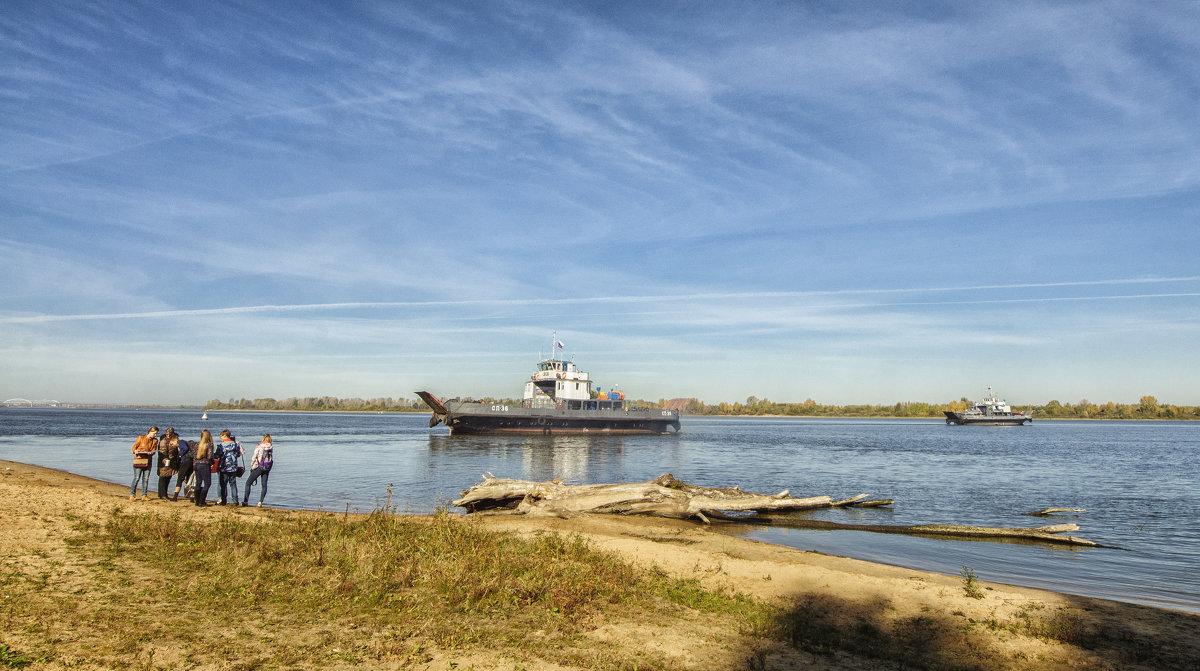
<point>26,403</point>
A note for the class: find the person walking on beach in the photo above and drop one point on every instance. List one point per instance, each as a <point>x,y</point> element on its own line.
<point>229,457</point>
<point>186,450</point>
<point>260,468</point>
<point>143,448</point>
<point>168,461</point>
<point>202,466</point>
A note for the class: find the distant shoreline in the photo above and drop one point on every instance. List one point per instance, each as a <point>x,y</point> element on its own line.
<point>684,415</point>
<point>153,408</point>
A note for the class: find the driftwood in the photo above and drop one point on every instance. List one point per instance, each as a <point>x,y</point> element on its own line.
<point>1045,534</point>
<point>665,496</point>
<point>1050,511</point>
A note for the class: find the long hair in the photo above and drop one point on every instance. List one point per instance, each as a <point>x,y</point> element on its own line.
<point>204,450</point>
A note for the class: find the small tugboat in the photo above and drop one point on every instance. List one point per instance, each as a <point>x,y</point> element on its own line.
<point>559,399</point>
<point>991,411</point>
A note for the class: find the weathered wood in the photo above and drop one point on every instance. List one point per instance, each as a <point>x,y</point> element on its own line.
<point>1046,534</point>
<point>873,503</point>
<point>665,496</point>
<point>1050,511</point>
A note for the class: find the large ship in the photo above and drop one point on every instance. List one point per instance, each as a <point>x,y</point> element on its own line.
<point>991,411</point>
<point>559,398</point>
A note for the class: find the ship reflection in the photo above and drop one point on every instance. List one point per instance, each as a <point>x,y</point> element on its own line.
<point>573,458</point>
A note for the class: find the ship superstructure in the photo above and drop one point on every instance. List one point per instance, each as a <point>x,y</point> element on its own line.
<point>559,398</point>
<point>991,411</point>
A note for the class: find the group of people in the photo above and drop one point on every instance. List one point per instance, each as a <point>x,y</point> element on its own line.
<point>193,463</point>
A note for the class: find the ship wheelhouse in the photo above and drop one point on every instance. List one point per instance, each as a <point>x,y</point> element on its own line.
<point>558,383</point>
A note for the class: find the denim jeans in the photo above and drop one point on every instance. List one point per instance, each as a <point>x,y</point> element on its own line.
<point>143,475</point>
<point>203,480</point>
<point>228,480</point>
<point>257,474</point>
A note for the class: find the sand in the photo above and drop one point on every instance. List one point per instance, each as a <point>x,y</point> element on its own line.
<point>995,631</point>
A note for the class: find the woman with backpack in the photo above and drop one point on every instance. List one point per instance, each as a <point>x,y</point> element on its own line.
<point>260,467</point>
<point>229,466</point>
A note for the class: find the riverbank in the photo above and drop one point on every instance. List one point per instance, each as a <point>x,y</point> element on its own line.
<point>81,588</point>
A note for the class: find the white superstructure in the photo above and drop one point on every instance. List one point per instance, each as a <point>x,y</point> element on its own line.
<point>557,380</point>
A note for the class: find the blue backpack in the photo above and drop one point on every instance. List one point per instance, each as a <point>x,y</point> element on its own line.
<point>229,457</point>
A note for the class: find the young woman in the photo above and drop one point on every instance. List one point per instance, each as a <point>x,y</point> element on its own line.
<point>260,468</point>
<point>229,459</point>
<point>168,461</point>
<point>202,466</point>
<point>186,450</point>
<point>143,449</point>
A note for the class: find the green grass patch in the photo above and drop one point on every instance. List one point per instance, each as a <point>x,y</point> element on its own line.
<point>11,659</point>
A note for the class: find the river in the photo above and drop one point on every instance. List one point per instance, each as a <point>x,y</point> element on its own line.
<point>1138,481</point>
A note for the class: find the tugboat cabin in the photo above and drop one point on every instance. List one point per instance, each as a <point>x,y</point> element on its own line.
<point>560,384</point>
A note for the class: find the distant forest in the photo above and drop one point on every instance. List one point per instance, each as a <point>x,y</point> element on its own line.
<point>1147,408</point>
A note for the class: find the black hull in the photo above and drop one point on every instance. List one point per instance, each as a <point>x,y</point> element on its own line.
<point>551,425</point>
<point>986,420</point>
<point>599,417</point>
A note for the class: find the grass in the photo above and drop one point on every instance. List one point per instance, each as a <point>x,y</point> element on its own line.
<point>310,590</point>
<point>11,659</point>
<point>970,583</point>
<point>412,581</point>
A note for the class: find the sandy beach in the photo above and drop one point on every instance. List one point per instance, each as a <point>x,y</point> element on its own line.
<point>1007,627</point>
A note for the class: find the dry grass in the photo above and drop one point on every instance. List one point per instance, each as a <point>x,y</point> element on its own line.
<point>86,584</point>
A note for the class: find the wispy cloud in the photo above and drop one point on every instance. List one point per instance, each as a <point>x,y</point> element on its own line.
<point>821,176</point>
<point>658,298</point>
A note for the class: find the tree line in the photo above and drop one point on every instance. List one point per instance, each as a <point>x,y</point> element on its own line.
<point>1148,407</point>
<point>319,403</point>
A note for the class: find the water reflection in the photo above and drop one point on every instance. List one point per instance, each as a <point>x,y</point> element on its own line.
<point>574,459</point>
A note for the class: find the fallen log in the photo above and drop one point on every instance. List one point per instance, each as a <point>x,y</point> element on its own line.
<point>663,496</point>
<point>1045,534</point>
<point>1050,511</point>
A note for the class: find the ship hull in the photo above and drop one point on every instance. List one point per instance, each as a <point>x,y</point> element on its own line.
<point>473,419</point>
<point>964,419</point>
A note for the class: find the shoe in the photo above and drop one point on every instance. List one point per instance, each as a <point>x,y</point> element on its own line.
<point>245,503</point>
<point>145,498</point>
<point>132,497</point>
<point>175,498</point>
<point>260,504</point>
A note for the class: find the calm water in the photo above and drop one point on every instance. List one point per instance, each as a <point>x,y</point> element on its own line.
<point>1140,482</point>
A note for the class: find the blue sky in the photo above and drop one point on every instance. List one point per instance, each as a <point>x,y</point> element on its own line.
<point>850,202</point>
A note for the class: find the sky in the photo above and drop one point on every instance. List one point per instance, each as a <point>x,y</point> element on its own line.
<point>848,202</point>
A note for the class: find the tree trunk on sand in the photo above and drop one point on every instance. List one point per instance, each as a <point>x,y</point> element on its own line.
<point>665,496</point>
